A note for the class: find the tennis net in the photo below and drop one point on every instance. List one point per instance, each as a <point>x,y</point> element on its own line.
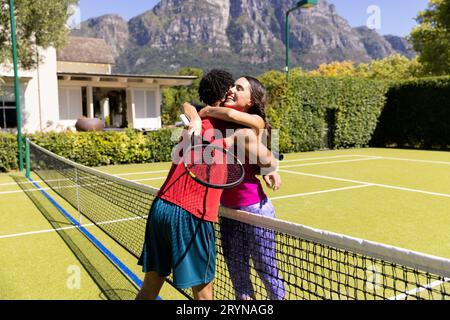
<point>257,257</point>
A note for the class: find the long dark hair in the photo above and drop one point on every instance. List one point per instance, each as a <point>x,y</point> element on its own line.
<point>258,94</point>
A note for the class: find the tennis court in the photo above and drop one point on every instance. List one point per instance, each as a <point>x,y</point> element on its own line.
<point>399,198</point>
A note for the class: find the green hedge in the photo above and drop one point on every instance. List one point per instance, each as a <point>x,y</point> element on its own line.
<point>8,152</point>
<point>306,106</point>
<point>416,115</point>
<point>109,148</point>
<point>96,148</point>
<point>359,111</point>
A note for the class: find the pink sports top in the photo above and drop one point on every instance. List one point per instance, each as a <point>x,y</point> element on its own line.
<point>248,192</point>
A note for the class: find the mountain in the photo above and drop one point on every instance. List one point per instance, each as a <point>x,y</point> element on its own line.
<point>243,36</point>
<point>400,45</point>
<point>112,28</point>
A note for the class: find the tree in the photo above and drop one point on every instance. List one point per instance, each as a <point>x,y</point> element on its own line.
<point>335,69</point>
<point>39,23</point>
<point>394,67</point>
<point>431,39</point>
<point>175,96</point>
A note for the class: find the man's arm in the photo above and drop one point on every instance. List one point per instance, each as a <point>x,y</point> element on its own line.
<point>195,122</point>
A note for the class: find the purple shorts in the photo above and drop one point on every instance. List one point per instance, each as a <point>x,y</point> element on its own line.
<point>242,242</point>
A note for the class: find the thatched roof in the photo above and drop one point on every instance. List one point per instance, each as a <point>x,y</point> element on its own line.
<point>88,50</point>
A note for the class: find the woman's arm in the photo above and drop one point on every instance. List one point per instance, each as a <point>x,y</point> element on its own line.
<point>252,121</point>
<point>195,124</point>
<point>256,152</point>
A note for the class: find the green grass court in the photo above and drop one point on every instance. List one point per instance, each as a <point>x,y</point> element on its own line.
<point>396,197</point>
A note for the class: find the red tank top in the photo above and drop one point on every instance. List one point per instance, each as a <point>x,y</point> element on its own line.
<point>183,191</point>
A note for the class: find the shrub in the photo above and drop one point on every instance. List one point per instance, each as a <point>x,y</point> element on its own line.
<point>307,106</point>
<point>416,115</point>
<point>108,148</point>
<point>8,152</point>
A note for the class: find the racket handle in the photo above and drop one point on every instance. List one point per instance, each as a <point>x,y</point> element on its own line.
<point>185,119</point>
<point>278,156</point>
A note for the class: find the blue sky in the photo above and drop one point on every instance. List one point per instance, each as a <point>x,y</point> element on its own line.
<point>396,16</point>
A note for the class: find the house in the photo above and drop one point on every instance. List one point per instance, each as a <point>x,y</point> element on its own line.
<point>78,82</point>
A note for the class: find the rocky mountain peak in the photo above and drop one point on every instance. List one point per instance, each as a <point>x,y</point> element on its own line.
<point>246,36</point>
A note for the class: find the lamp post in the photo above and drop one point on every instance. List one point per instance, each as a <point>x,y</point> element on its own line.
<point>16,83</point>
<point>299,5</point>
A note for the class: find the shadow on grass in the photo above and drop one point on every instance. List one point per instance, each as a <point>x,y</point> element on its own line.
<point>113,284</point>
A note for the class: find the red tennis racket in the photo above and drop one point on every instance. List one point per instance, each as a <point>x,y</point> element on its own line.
<point>212,165</point>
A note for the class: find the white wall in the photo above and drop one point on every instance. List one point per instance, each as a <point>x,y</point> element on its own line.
<point>40,97</point>
<point>46,81</point>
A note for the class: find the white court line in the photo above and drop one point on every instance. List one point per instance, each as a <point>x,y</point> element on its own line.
<point>37,181</point>
<point>28,182</point>
<point>20,191</point>
<point>128,219</point>
<point>292,160</point>
<point>286,161</point>
<point>135,173</point>
<point>135,218</point>
<point>319,192</point>
<point>415,160</point>
<point>68,228</point>
<point>149,179</point>
<point>34,190</point>
<point>327,162</point>
<point>364,157</point>
<point>57,180</point>
<point>35,232</point>
<point>322,158</point>
<point>418,290</point>
<point>370,183</point>
<point>12,183</point>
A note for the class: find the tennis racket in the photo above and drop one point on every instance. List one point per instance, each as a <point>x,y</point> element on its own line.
<point>212,165</point>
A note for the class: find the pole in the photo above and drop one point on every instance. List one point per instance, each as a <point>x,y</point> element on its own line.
<point>300,4</point>
<point>16,84</point>
<point>27,158</point>
<point>77,185</point>
<point>286,32</point>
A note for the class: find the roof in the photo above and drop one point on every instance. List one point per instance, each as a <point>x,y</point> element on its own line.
<point>87,50</point>
<point>127,78</point>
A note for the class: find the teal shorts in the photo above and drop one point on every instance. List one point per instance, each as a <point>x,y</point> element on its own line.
<point>178,242</point>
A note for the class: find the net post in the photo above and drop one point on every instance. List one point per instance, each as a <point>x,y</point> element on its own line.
<point>80,217</point>
<point>27,158</point>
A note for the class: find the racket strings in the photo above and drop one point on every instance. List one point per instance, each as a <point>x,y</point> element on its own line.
<point>213,165</point>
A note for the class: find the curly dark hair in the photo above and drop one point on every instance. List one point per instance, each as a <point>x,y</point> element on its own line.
<point>214,86</point>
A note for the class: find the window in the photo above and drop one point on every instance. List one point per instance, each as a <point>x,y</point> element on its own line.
<point>70,104</point>
<point>151,104</point>
<point>139,102</point>
<point>8,111</point>
<point>145,104</point>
